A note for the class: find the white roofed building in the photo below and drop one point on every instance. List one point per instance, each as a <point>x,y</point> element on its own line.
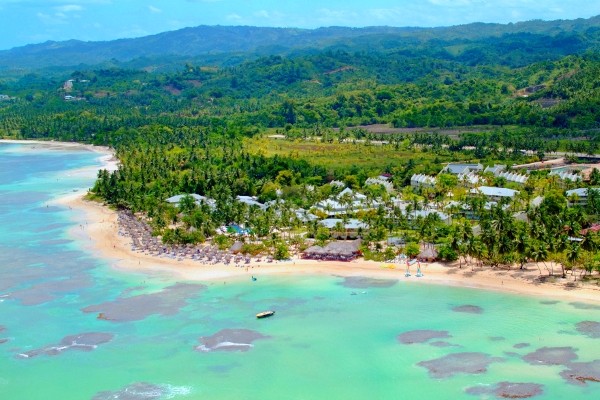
<point>251,201</point>
<point>513,177</point>
<point>462,169</point>
<point>580,196</point>
<point>198,199</point>
<point>565,175</point>
<point>499,170</point>
<point>352,228</point>
<point>495,193</point>
<point>422,181</point>
<point>496,169</point>
<point>346,202</point>
<point>385,182</point>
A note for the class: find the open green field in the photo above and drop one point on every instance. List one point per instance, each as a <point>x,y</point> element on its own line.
<point>336,155</point>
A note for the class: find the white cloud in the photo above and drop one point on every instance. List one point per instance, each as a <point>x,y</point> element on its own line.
<point>154,10</point>
<point>268,14</point>
<point>52,19</point>
<point>327,16</point>
<point>234,17</point>
<point>453,3</point>
<point>69,8</point>
<point>262,14</point>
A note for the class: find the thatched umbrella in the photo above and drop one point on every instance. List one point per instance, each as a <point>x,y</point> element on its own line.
<point>428,254</point>
<point>236,247</point>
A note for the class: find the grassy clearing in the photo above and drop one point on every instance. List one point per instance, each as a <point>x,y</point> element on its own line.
<point>335,155</point>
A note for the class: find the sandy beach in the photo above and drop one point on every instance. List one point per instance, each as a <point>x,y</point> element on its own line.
<point>97,227</point>
<point>100,229</point>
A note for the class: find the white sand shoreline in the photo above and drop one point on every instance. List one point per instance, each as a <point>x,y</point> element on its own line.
<point>101,230</point>
<point>98,230</point>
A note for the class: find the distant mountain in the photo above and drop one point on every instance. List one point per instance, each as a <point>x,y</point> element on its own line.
<point>226,44</point>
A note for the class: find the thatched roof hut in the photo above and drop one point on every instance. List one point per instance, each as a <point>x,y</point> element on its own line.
<point>314,250</point>
<point>334,251</point>
<point>429,253</point>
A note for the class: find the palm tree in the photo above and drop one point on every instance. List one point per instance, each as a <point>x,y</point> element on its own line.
<point>521,244</point>
<point>593,201</point>
<point>573,254</point>
<point>456,243</point>
<point>475,249</point>
<point>187,204</point>
<point>539,253</point>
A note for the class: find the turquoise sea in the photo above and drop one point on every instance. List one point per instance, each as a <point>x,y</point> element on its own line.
<point>331,338</point>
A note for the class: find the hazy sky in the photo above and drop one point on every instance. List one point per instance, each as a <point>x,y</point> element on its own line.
<point>35,21</point>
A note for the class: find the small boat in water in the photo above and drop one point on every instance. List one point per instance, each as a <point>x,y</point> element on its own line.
<point>265,314</point>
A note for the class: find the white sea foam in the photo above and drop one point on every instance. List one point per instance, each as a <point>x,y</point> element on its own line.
<point>232,344</point>
<point>172,391</point>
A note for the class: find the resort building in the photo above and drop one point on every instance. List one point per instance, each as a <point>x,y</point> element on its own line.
<point>537,201</point>
<point>499,170</point>
<point>347,202</point>
<point>198,199</point>
<point>461,169</point>
<point>468,174</point>
<point>513,177</point>
<point>580,196</point>
<point>383,181</point>
<point>565,175</point>
<point>457,208</point>
<point>422,181</point>
<point>251,201</point>
<point>445,218</point>
<point>351,228</point>
<point>495,170</point>
<point>304,216</point>
<point>470,179</point>
<point>495,193</point>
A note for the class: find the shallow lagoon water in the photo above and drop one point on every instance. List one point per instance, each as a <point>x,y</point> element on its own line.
<point>330,338</point>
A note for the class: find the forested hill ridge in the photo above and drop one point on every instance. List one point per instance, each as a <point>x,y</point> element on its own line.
<point>510,44</point>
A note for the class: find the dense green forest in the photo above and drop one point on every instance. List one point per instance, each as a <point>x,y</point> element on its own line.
<point>206,129</point>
